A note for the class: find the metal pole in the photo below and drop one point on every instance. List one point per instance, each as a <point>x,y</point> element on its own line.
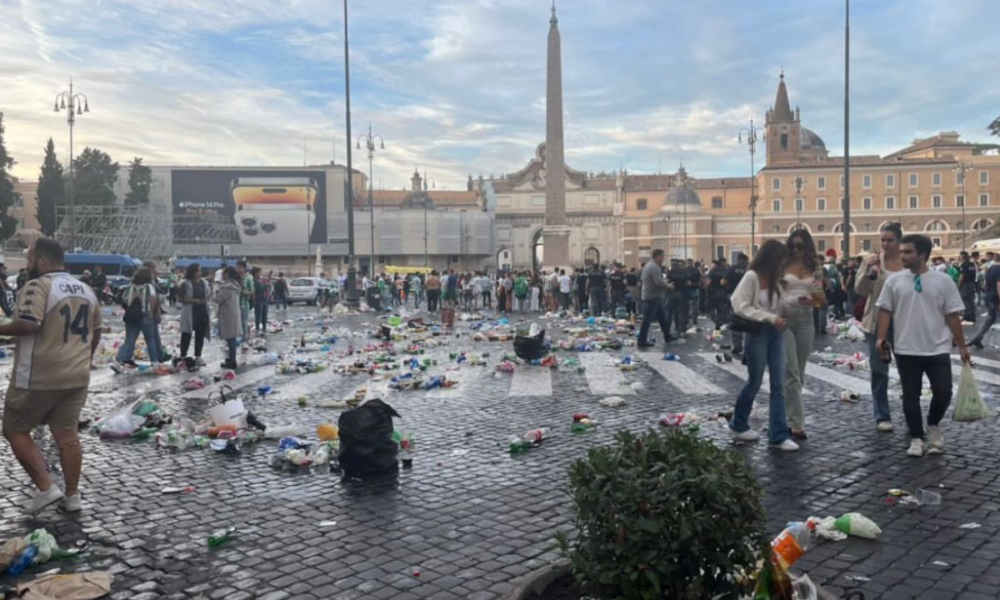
<point>350,165</point>
<point>371,203</point>
<point>847,128</point>
<point>426,263</point>
<point>965,200</point>
<point>798,203</point>
<point>72,199</point>
<point>753,192</point>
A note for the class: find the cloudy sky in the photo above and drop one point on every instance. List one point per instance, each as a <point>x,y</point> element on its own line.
<point>458,86</point>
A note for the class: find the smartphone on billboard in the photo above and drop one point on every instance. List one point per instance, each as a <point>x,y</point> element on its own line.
<point>274,210</point>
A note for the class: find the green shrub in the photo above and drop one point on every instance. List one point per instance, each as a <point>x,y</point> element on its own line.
<point>664,515</point>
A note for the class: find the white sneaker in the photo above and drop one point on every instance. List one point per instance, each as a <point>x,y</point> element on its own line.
<point>786,446</point>
<point>41,500</point>
<point>198,361</point>
<point>884,426</point>
<point>71,503</point>
<point>935,440</point>
<point>916,448</point>
<point>745,436</point>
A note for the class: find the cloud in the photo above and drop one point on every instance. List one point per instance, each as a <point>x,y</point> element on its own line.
<point>458,86</point>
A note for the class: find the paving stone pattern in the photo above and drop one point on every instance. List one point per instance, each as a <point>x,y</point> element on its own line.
<point>470,518</point>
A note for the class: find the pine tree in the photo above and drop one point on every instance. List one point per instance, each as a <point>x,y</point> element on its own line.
<point>51,191</point>
<point>140,181</point>
<point>8,196</point>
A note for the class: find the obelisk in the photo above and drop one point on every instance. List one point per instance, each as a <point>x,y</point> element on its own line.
<point>556,232</point>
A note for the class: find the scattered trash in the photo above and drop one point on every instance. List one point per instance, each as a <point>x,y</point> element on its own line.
<point>528,440</point>
<point>851,397</point>
<point>612,401</point>
<point>970,526</point>
<point>679,419</point>
<point>940,563</point>
<point>178,490</point>
<point>75,586</point>
<point>792,543</point>
<point>922,497</point>
<point>858,525</point>
<point>858,578</point>
<point>220,537</point>
<point>327,523</point>
<point>582,423</point>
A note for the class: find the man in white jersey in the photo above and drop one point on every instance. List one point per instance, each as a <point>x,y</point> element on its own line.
<point>57,323</point>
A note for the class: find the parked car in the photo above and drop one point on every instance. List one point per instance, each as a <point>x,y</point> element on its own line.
<point>306,289</point>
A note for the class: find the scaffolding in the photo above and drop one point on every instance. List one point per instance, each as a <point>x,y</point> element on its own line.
<point>148,232</point>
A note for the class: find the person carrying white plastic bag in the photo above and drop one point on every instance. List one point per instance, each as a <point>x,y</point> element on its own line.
<point>970,405</point>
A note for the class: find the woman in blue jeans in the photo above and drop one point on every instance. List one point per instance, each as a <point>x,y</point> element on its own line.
<point>141,303</point>
<point>759,298</point>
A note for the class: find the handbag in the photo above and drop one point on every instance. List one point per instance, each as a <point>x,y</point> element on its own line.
<point>744,325</point>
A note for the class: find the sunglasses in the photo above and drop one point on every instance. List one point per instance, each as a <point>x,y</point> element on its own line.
<point>798,246</point>
<point>916,284</point>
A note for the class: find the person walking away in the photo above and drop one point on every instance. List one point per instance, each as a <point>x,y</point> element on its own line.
<point>758,298</point>
<point>967,273</point>
<point>486,289</point>
<point>654,291</point>
<point>677,298</point>
<point>501,295</point>
<point>616,287</point>
<point>433,291</point>
<point>565,287</point>
<point>140,301</point>
<point>229,299</point>
<point>193,295</point>
<point>521,291</point>
<point>733,278</point>
<point>716,301</point>
<point>924,309</point>
<point>281,292</point>
<point>261,301</point>
<point>991,294</point>
<point>694,289</point>
<point>877,269</point>
<point>799,333</point>
<point>597,283</point>
<point>451,290</point>
<point>417,287</point>
<point>57,324</point>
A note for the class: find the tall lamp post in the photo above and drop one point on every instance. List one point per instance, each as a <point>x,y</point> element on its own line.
<point>753,135</point>
<point>369,140</point>
<point>847,128</point>
<point>961,169</point>
<point>798,202</point>
<point>353,300</point>
<point>74,104</point>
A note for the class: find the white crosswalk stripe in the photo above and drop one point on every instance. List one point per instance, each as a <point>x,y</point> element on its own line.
<point>838,378</point>
<point>740,371</point>
<point>685,379</point>
<point>531,381</point>
<point>604,379</point>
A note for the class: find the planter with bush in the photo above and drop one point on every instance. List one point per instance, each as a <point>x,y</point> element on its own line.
<point>664,515</point>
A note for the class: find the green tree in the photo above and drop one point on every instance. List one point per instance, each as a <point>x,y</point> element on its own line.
<point>9,197</point>
<point>140,181</point>
<point>94,178</point>
<point>51,191</point>
<point>995,127</point>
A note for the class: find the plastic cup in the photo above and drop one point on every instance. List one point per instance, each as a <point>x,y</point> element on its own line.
<point>927,497</point>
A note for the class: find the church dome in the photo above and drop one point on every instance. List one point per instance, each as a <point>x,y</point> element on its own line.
<point>682,195</point>
<point>811,140</point>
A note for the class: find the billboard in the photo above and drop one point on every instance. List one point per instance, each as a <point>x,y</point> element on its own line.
<point>252,207</point>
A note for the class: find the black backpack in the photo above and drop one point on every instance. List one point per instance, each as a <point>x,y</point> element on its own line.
<point>366,444</point>
<point>134,312</point>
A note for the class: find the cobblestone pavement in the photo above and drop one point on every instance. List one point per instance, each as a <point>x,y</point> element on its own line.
<point>470,518</point>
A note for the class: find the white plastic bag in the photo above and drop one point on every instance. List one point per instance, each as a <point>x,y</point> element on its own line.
<point>969,405</point>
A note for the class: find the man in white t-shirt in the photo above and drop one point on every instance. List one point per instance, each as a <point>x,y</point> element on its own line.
<point>924,308</point>
<point>565,287</point>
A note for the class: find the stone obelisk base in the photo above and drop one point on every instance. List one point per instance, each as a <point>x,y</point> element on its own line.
<point>556,253</point>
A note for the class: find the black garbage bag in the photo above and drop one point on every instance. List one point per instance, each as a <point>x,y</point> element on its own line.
<point>530,347</point>
<point>366,444</point>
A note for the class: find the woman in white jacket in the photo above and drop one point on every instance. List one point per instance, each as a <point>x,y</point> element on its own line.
<point>758,298</point>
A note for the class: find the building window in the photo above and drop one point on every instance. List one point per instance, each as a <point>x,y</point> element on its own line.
<point>914,201</point>
<point>984,199</point>
<point>821,228</point>
<point>821,182</point>
<point>821,204</point>
<point>776,184</point>
<point>890,202</point>
<point>798,205</point>
<point>936,201</point>
<point>776,206</point>
<point>867,203</point>
<point>866,182</point>
<point>936,226</point>
<point>890,180</point>
<point>936,179</point>
<point>936,241</point>
<point>984,177</point>
<point>821,246</point>
<point>776,229</point>
<point>960,225</point>
<point>454,258</point>
<point>866,245</point>
<point>784,141</point>
<point>641,204</point>
<point>720,252</point>
<point>381,260</point>
<point>644,229</point>
<point>868,227</point>
<point>19,202</point>
<point>914,180</point>
<point>959,201</point>
<point>717,202</point>
<point>841,182</point>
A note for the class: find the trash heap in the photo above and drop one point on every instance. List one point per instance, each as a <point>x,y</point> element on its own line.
<point>20,554</point>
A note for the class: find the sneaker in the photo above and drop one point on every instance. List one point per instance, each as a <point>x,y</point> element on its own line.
<point>786,446</point>
<point>41,500</point>
<point>885,426</point>
<point>916,448</point>
<point>976,344</point>
<point>199,361</point>
<point>745,436</point>
<point>71,503</point>
<point>935,440</point>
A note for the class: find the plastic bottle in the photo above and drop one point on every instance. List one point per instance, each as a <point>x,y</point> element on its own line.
<point>276,432</point>
<point>23,561</point>
<point>792,543</point>
<point>536,435</point>
<point>220,537</point>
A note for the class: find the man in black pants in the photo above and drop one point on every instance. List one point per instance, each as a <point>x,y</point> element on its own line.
<point>733,277</point>
<point>967,286</point>
<point>923,307</point>
<point>654,288</point>
<point>677,298</point>
<point>992,295</point>
<point>616,285</point>
<point>716,302</point>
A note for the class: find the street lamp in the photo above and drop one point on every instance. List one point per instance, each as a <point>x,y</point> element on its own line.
<point>370,146</point>
<point>71,103</point>
<point>753,135</point>
<point>798,202</point>
<point>961,169</point>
